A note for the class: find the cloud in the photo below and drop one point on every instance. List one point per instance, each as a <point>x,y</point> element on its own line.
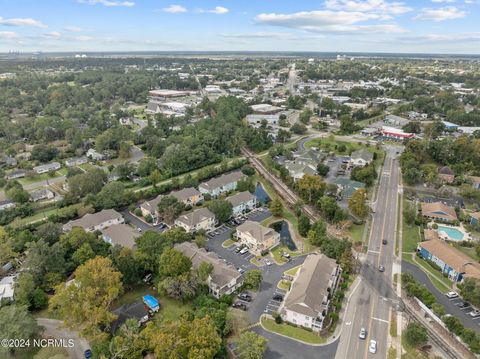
<point>441,38</point>
<point>7,35</point>
<point>327,21</point>
<point>174,9</point>
<point>73,29</point>
<point>22,22</point>
<point>52,35</point>
<point>220,10</point>
<point>444,1</point>
<point>270,35</point>
<point>440,14</point>
<point>375,6</point>
<point>108,3</point>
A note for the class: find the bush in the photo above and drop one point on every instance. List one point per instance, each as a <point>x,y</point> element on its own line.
<point>415,334</point>
<point>138,212</point>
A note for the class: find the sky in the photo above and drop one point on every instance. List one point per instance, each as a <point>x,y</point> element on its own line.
<point>408,26</point>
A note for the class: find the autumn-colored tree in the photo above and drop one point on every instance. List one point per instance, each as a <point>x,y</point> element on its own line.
<point>85,303</point>
<point>311,188</point>
<point>357,203</point>
<point>185,338</point>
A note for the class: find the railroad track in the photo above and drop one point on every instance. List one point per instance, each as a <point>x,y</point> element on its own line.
<point>281,188</point>
<point>433,336</point>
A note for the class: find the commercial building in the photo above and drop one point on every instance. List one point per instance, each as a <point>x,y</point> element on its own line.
<point>395,133</point>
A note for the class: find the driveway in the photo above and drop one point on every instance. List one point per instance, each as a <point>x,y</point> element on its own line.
<point>140,224</point>
<point>451,305</point>
<point>54,328</point>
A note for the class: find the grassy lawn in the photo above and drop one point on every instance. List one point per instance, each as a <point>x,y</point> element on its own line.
<point>393,325</point>
<point>255,262</point>
<point>284,284</point>
<point>228,243</point>
<point>438,280</point>
<point>292,332</point>
<point>356,232</point>
<point>87,166</point>
<point>170,309</point>
<point>279,250</point>
<point>392,353</point>
<point>411,237</point>
<point>330,142</point>
<point>42,214</point>
<point>292,271</point>
<point>43,177</point>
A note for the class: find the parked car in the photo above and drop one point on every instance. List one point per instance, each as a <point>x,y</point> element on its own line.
<point>143,320</point>
<point>139,229</point>
<point>451,295</point>
<point>87,353</point>
<point>363,333</point>
<point>372,348</point>
<point>268,262</point>
<point>384,241</point>
<point>240,270</point>
<point>148,278</point>
<point>238,249</point>
<point>278,297</point>
<point>286,255</point>
<point>464,305</point>
<point>245,296</point>
<point>240,305</point>
<point>244,250</point>
<point>474,313</point>
<point>381,268</point>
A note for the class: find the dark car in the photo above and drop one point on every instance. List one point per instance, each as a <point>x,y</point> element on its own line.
<point>87,353</point>
<point>278,297</point>
<point>240,305</point>
<point>238,249</point>
<point>384,241</point>
<point>245,296</point>
<point>464,305</point>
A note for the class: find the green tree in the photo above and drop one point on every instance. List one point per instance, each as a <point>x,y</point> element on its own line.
<point>305,116</point>
<point>172,263</point>
<point>85,304</point>
<point>410,213</point>
<point>415,334</point>
<point>204,270</point>
<point>276,207</point>
<point>16,323</point>
<point>113,195</point>
<point>311,188</point>
<point>221,208</point>
<point>298,128</point>
<point>251,345</point>
<point>18,194</point>
<point>90,182</point>
<point>303,225</point>
<point>169,208</point>
<point>322,169</point>
<point>453,324</point>
<point>128,343</point>
<point>357,203</point>
<point>253,278</point>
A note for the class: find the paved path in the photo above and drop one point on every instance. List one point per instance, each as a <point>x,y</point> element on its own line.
<point>56,329</point>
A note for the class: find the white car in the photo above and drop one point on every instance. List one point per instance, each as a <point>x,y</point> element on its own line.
<point>474,313</point>
<point>363,333</point>
<point>451,295</point>
<point>372,347</point>
<point>267,262</point>
<point>244,250</point>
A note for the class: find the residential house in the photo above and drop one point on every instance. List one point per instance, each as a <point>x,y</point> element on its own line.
<point>6,204</point>
<point>49,167</point>
<point>196,220</point>
<point>222,184</point>
<point>308,301</point>
<point>7,289</point>
<point>223,280</point>
<point>439,211</point>
<point>361,158</point>
<point>8,161</point>
<point>256,237</point>
<point>41,194</point>
<point>96,221</point>
<point>189,196</point>
<point>16,174</point>
<point>76,161</point>
<point>120,234</point>
<point>347,186</point>
<point>446,175</point>
<point>94,155</point>
<point>297,171</point>
<point>242,202</point>
<point>451,261</point>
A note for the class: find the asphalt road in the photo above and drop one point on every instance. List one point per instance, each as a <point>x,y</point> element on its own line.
<point>451,305</point>
<point>54,328</point>
<point>371,301</point>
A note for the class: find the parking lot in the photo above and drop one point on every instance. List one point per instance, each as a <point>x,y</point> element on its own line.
<point>335,165</point>
<point>274,304</point>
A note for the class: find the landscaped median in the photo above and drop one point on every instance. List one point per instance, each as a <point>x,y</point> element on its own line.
<point>228,243</point>
<point>295,333</point>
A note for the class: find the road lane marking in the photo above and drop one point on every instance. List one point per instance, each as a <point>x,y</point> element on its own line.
<point>372,251</point>
<point>381,320</point>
